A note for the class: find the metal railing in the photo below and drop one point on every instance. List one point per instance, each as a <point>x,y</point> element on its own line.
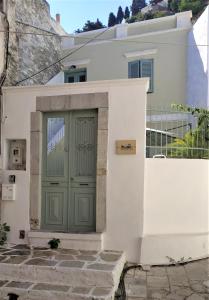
<point>174,134</point>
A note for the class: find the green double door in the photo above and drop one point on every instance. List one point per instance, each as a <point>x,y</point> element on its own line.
<point>69,171</point>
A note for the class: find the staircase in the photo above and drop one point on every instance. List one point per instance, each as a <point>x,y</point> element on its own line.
<point>67,274</point>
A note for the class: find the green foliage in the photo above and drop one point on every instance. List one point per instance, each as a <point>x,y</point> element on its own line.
<point>54,243</point>
<point>89,26</point>
<point>137,18</point>
<point>148,16</point>
<point>112,20</point>
<point>159,14</point>
<point>4,229</point>
<point>173,5</point>
<point>127,13</point>
<point>195,5</point>
<point>120,15</point>
<point>195,143</point>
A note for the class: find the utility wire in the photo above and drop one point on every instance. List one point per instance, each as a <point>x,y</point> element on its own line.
<point>36,27</point>
<point>62,58</point>
<point>107,40</point>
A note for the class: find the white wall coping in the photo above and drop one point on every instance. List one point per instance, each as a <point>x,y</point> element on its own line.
<point>140,53</point>
<point>106,84</point>
<point>132,37</point>
<point>139,24</point>
<point>167,117</point>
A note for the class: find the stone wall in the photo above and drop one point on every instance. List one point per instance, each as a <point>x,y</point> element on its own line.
<point>2,44</point>
<point>32,52</point>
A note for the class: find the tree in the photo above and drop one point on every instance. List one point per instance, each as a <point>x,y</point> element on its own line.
<point>120,15</point>
<point>89,26</point>
<point>173,5</point>
<point>154,2</point>
<point>126,13</point>
<point>112,20</point>
<point>195,5</point>
<point>136,6</point>
<point>137,18</point>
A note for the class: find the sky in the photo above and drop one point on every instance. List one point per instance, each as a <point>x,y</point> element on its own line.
<point>74,13</point>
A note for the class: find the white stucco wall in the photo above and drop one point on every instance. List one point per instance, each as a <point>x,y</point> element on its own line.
<point>125,174</point>
<point>164,40</point>
<point>198,62</point>
<point>155,207</point>
<point>176,210</point>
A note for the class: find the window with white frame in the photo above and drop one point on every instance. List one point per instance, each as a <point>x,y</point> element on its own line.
<point>77,75</point>
<point>142,68</point>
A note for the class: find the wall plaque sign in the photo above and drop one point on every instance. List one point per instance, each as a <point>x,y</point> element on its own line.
<point>126,147</point>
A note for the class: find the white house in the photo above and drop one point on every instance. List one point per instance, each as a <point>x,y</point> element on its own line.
<point>77,151</point>
<point>154,48</point>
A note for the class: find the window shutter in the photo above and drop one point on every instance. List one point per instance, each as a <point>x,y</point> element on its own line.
<point>133,69</point>
<point>147,71</point>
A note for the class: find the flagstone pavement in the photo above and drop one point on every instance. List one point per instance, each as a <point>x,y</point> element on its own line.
<point>182,282</point>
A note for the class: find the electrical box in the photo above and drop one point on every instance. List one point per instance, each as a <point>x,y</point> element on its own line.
<point>17,154</point>
<point>17,157</point>
<point>8,192</point>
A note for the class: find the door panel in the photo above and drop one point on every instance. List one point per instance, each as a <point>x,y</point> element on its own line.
<point>83,146</point>
<point>55,156</point>
<point>54,208</point>
<point>82,208</point>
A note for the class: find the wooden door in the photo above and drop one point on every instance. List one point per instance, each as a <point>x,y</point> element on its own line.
<point>69,171</point>
<point>82,170</point>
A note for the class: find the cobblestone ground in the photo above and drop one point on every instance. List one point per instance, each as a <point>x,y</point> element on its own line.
<point>189,281</point>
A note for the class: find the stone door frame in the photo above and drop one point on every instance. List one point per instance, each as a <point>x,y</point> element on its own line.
<point>63,103</point>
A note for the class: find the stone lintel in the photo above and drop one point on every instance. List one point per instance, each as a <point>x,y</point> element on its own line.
<point>72,102</point>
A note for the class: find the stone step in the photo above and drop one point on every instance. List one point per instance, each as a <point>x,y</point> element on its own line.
<point>87,241</point>
<point>62,266</point>
<point>41,291</point>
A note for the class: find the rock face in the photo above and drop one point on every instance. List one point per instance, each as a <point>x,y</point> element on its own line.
<point>39,48</point>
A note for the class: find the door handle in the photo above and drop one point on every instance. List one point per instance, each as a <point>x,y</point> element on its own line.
<point>86,184</point>
<point>54,183</point>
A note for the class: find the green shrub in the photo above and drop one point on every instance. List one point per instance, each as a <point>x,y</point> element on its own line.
<point>54,243</point>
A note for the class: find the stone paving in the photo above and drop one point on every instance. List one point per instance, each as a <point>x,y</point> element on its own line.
<point>42,273</point>
<point>189,281</point>
<point>22,254</point>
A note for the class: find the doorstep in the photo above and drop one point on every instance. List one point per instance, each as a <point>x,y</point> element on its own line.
<point>67,274</point>
<point>85,241</point>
